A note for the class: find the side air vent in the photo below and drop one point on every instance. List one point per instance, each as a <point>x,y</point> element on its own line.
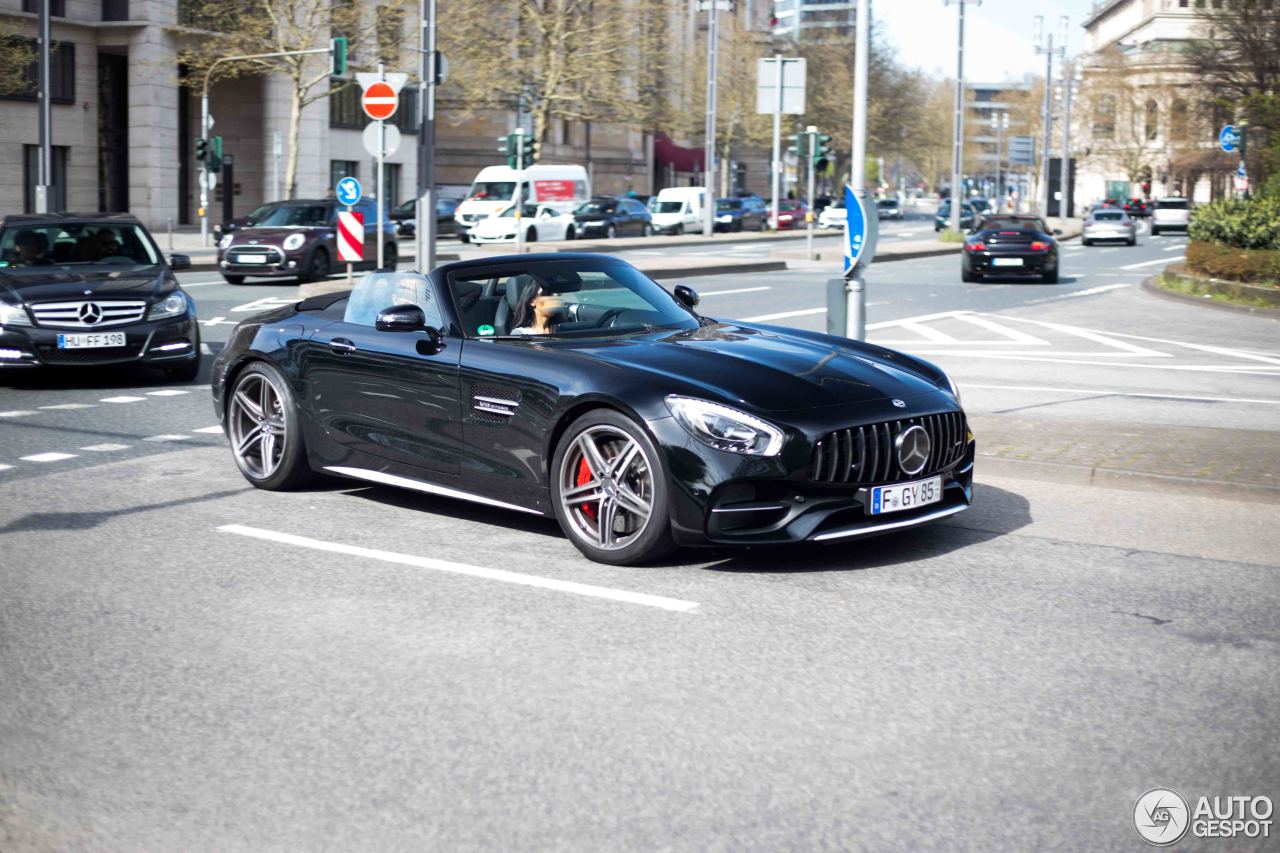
<point>493,404</point>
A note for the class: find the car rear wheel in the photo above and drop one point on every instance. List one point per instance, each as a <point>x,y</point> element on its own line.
<point>1087,242</point>
<point>648,230</point>
<point>611,231</point>
<point>609,490</point>
<point>1155,232</point>
<point>233,279</point>
<point>569,233</point>
<point>1133,241</point>
<point>1050,277</point>
<point>967,275</point>
<point>262,427</point>
<point>679,229</point>
<point>531,236</point>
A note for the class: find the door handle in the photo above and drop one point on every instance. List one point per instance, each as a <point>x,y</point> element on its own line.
<point>342,346</point>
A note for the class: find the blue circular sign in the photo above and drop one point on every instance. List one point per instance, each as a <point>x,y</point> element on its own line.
<point>1228,138</point>
<point>347,191</point>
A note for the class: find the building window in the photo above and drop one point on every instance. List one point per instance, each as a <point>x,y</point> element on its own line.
<point>1104,117</point>
<point>1152,120</point>
<point>31,177</point>
<point>115,10</point>
<point>339,169</point>
<point>57,8</point>
<point>62,75</point>
<point>1178,121</point>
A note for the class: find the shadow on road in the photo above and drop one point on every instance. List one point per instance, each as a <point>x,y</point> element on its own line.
<point>453,509</point>
<point>106,378</point>
<point>53,521</point>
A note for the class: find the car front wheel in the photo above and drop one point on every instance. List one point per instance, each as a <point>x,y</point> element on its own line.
<point>317,267</point>
<point>263,429</point>
<point>609,490</point>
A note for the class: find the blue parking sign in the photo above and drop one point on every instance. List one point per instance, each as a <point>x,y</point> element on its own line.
<point>347,191</point>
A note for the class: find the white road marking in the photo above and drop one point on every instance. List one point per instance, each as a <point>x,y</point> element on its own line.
<point>1178,248</point>
<point>1012,334</point>
<point>1144,264</point>
<point>735,290</point>
<point>1096,337</point>
<point>21,413</point>
<point>553,584</point>
<point>122,399</point>
<point>204,349</point>
<point>166,437</point>
<point>263,304</point>
<point>69,406</point>
<point>1087,292</point>
<point>48,457</point>
<point>213,430</point>
<point>5,467</point>
<point>212,321</point>
<point>928,332</point>
<point>167,392</point>
<point>105,448</point>
<point>1116,393</point>
<point>1194,368</point>
<point>764,318</point>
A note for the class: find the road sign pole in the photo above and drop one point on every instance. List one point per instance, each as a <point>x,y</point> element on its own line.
<point>382,187</point>
<point>426,208</point>
<point>349,264</point>
<point>709,213</point>
<point>776,180</point>
<point>44,191</point>
<point>809,224</point>
<point>855,291</point>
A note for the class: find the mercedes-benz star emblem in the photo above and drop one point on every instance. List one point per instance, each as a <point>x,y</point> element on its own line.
<point>90,313</point>
<point>913,449</point>
<point>901,404</point>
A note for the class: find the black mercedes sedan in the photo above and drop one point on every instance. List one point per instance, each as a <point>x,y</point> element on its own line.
<point>93,288</point>
<point>612,217</point>
<point>570,385</point>
<point>1010,245</point>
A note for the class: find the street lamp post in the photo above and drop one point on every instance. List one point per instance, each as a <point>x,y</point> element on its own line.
<point>1044,44</point>
<point>999,123</point>
<point>957,153</point>
<point>709,209</point>
<point>1065,184</point>
<point>425,212</point>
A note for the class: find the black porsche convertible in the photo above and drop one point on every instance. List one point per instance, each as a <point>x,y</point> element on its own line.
<point>572,385</point>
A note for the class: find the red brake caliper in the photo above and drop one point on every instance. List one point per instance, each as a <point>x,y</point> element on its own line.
<point>584,477</point>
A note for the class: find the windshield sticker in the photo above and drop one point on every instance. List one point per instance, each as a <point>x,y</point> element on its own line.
<point>485,330</point>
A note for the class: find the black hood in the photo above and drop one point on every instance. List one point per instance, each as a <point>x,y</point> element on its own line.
<point>44,283</point>
<point>775,371</point>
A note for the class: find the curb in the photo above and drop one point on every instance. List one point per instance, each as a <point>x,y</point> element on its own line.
<point>1150,285</point>
<point>1114,478</point>
<point>691,272</point>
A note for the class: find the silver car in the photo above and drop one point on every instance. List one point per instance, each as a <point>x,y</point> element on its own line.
<point>1170,214</point>
<point>1108,223</point>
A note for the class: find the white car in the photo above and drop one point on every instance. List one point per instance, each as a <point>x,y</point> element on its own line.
<point>541,223</point>
<point>1109,224</point>
<point>833,216</point>
<point>1170,214</point>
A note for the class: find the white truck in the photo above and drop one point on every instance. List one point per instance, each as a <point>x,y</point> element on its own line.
<point>494,189</point>
<point>676,210</point>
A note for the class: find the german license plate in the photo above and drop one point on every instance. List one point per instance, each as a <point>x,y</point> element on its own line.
<point>251,259</point>
<point>1006,262</point>
<point>93,340</point>
<point>905,495</point>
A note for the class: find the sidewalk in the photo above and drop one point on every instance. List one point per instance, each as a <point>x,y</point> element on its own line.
<point>1227,463</point>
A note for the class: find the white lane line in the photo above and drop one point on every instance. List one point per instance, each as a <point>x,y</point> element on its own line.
<point>167,392</point>
<point>1246,370</point>
<point>735,290</point>
<point>122,399</point>
<point>48,457</point>
<point>169,436</point>
<point>21,413</point>
<point>1144,264</point>
<point>764,318</point>
<point>5,467</point>
<point>68,406</point>
<point>1234,353</point>
<point>464,569</point>
<point>1087,292</point>
<point>1177,248</point>
<point>212,321</point>
<point>105,448</point>
<point>1012,334</point>
<point>1116,393</point>
<point>215,430</point>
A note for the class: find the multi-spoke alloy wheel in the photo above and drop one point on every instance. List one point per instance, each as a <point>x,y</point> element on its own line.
<point>609,491</point>
<point>262,429</point>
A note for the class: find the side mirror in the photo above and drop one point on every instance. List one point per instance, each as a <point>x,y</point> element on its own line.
<point>1057,232</point>
<point>179,262</point>
<point>686,296</point>
<point>401,318</point>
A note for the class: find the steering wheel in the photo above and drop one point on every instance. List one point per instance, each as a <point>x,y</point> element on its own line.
<point>607,318</point>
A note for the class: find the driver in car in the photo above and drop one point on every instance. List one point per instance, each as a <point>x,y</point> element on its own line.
<point>105,244</point>
<point>537,311</point>
<point>32,247</point>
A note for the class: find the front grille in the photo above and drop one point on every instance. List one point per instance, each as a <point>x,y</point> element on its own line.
<point>866,454</point>
<point>66,315</point>
<point>102,355</point>
<point>273,255</point>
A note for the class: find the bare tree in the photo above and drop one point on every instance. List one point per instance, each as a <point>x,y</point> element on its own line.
<point>17,53</point>
<point>276,26</point>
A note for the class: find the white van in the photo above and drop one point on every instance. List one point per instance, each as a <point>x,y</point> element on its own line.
<point>560,187</point>
<point>676,210</point>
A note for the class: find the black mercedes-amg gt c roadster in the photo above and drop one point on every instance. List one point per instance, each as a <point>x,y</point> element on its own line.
<point>573,385</point>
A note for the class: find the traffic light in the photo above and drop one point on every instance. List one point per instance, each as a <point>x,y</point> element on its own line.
<point>798,146</point>
<point>528,150</point>
<point>507,146</point>
<point>215,154</point>
<point>202,150</point>
<point>821,151</point>
<point>337,56</point>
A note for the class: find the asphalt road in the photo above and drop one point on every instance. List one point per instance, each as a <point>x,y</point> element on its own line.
<point>189,663</point>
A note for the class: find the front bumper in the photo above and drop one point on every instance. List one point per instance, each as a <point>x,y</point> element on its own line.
<point>174,340</point>
<point>1033,263</point>
<point>725,499</point>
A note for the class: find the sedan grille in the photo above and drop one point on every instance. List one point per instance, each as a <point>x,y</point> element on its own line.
<point>87,314</point>
<point>866,454</point>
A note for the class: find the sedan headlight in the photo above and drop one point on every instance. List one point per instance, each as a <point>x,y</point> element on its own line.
<point>725,428</point>
<point>13,315</point>
<point>225,241</point>
<point>294,242</point>
<point>951,385</point>
<point>172,305</point>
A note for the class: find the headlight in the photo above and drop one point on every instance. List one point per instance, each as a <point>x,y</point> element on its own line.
<point>225,241</point>
<point>171,306</point>
<point>725,428</point>
<point>951,385</point>
<point>13,315</point>
<point>725,218</point>
<point>294,242</point>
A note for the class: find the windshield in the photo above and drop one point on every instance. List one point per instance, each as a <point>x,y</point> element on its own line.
<point>501,190</point>
<point>258,212</point>
<point>1007,223</point>
<point>1173,205</point>
<point>296,215</point>
<point>728,204</point>
<point>888,202</point>
<point>579,299</point>
<point>76,244</point>
<point>529,212</point>
<point>597,207</point>
<point>668,207</point>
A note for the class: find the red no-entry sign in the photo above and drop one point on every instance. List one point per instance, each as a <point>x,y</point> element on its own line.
<point>379,101</point>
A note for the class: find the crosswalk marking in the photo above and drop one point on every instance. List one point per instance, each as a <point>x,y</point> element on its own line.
<point>1012,334</point>
<point>122,399</point>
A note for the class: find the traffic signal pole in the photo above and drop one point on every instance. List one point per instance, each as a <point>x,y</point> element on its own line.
<point>775,187</point>
<point>812,133</point>
<point>709,213</point>
<point>426,208</point>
